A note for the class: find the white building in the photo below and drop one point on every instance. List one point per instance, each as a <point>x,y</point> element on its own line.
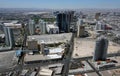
<point>45,72</point>
<point>13,25</point>
<point>31,27</point>
<point>42,26</point>
<point>80,22</point>
<point>52,29</point>
<point>100,26</point>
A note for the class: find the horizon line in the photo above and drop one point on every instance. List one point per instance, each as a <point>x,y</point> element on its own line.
<point>53,8</point>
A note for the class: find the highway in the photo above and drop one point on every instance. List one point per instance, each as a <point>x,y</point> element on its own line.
<point>94,68</point>
<point>68,57</point>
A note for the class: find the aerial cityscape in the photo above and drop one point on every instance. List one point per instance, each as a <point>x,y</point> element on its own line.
<point>59,38</point>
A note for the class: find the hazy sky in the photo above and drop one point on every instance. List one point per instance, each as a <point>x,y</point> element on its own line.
<point>56,4</point>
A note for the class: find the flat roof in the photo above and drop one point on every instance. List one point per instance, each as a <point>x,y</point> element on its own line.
<point>56,50</point>
<point>84,47</point>
<point>45,72</point>
<point>23,72</point>
<point>12,24</point>
<point>7,59</point>
<point>52,38</point>
<point>38,57</point>
<point>54,56</point>
<point>28,58</point>
<point>52,26</point>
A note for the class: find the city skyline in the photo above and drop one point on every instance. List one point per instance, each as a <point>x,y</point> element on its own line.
<point>60,4</point>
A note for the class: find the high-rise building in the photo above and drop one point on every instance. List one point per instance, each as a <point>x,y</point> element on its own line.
<point>63,21</point>
<point>80,22</point>
<point>81,28</point>
<point>9,38</point>
<point>81,31</point>
<point>101,47</point>
<point>31,27</point>
<point>42,26</point>
<point>100,26</point>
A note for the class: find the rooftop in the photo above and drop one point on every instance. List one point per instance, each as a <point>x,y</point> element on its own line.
<point>52,26</point>
<point>53,38</point>
<point>7,59</point>
<point>38,57</point>
<point>13,25</point>
<point>45,72</point>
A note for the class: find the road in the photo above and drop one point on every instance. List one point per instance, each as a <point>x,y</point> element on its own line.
<point>68,57</point>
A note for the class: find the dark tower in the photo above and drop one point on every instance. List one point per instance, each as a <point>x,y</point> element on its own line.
<point>101,49</point>
<point>63,22</point>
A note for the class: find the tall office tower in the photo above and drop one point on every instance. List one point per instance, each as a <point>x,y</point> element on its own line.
<point>9,38</point>
<point>81,31</point>
<point>101,47</point>
<point>70,16</point>
<point>63,22</point>
<point>31,27</point>
<point>42,26</point>
<point>81,28</point>
<point>100,26</point>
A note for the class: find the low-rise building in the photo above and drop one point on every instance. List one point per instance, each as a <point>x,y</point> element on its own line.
<point>45,72</point>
